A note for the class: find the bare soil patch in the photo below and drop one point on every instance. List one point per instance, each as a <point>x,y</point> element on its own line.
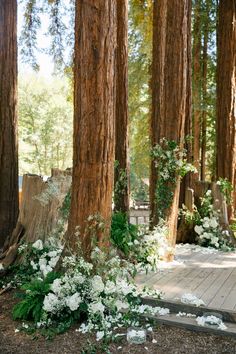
<point>169,340</point>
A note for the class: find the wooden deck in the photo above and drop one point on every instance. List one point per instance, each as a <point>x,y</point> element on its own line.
<point>209,276</point>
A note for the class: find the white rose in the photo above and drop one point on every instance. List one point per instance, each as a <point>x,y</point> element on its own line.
<point>38,245</point>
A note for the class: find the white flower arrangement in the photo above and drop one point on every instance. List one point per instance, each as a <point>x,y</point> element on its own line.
<point>210,234</point>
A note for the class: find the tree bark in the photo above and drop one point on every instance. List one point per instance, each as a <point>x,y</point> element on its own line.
<point>204,94</point>
<point>121,181</point>
<point>226,95</point>
<point>197,87</point>
<point>185,233</point>
<point>169,90</point>
<point>94,121</point>
<point>9,198</point>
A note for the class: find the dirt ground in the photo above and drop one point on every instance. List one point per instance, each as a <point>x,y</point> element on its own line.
<point>169,340</point>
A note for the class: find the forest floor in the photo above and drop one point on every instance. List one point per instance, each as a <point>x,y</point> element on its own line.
<point>168,340</point>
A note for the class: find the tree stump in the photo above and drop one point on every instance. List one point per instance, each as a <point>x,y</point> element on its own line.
<point>39,211</point>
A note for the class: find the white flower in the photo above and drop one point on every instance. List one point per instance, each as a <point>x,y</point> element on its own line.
<point>110,287</point>
<point>198,229</point>
<point>53,261</point>
<point>96,307</point>
<point>73,301</point>
<point>38,245</point>
<point>56,286</point>
<point>1,266</point>
<point>42,261</point>
<point>51,303</point>
<point>99,335</point>
<point>52,254</point>
<point>213,223</point>
<point>163,311</point>
<point>33,265</point>
<point>45,269</point>
<point>120,305</point>
<point>206,225</point>
<point>97,284</point>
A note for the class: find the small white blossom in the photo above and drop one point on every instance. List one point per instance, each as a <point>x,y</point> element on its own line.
<point>38,245</point>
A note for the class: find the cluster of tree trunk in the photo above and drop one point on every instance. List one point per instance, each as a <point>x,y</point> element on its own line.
<point>101,112</point>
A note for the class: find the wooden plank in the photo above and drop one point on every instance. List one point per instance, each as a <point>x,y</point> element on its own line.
<point>191,324</point>
<point>176,306</point>
<point>225,298</point>
<point>189,281</point>
<point>211,291</point>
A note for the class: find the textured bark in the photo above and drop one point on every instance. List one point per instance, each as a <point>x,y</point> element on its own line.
<point>185,233</point>
<point>169,89</point>
<point>204,98</point>
<point>226,95</point>
<point>197,87</point>
<point>94,120</point>
<point>39,211</point>
<point>8,119</point>
<point>121,181</point>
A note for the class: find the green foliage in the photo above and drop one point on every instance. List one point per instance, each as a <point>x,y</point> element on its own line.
<point>65,208</point>
<point>171,164</point>
<point>30,308</point>
<point>140,47</point>
<point>139,189</point>
<point>123,234</point>
<point>121,182</point>
<point>206,205</point>
<point>226,189</point>
<point>45,125</point>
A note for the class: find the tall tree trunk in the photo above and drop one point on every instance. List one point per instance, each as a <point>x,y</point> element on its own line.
<point>226,95</point>
<point>169,90</point>
<point>94,120</point>
<point>204,93</point>
<point>184,231</point>
<point>121,182</point>
<point>9,198</point>
<point>197,87</point>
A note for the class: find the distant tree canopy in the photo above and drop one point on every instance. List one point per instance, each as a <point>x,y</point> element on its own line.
<point>45,125</point>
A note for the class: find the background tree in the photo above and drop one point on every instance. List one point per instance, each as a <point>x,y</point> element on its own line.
<point>45,125</point>
<point>121,182</point>
<point>226,95</point>
<point>94,108</point>
<point>8,119</point>
<point>169,90</point>
<point>140,48</point>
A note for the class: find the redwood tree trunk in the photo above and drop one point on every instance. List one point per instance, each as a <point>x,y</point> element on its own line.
<point>94,120</point>
<point>226,95</point>
<point>204,94</point>
<point>9,202</point>
<point>197,87</point>
<point>169,89</point>
<point>121,182</point>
